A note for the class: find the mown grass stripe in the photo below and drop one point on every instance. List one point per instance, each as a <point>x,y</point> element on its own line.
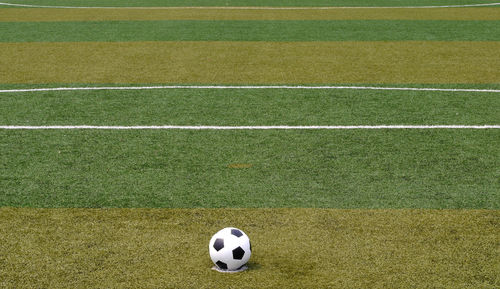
<point>247,3</point>
<point>348,30</point>
<point>262,127</point>
<point>248,107</point>
<point>38,15</point>
<point>292,248</point>
<point>287,87</point>
<point>290,168</point>
<point>251,62</point>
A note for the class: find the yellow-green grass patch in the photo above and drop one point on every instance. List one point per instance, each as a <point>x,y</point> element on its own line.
<point>251,62</point>
<point>299,248</point>
<point>48,14</point>
<point>300,4</point>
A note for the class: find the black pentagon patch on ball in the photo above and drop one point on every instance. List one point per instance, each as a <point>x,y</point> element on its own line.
<point>236,232</point>
<point>238,253</point>
<point>218,244</point>
<point>221,265</point>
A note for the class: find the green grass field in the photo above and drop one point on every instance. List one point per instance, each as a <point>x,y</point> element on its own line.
<point>415,169</point>
<point>243,3</point>
<point>293,248</point>
<point>358,208</point>
<point>299,30</point>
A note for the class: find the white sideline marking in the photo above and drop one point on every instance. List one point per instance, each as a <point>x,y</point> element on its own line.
<point>246,87</point>
<point>279,127</point>
<point>248,8</point>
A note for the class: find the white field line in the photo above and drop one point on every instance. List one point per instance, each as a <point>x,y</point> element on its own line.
<point>248,8</point>
<point>246,87</point>
<point>280,127</point>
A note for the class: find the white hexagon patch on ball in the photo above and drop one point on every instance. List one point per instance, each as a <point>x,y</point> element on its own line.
<point>230,250</point>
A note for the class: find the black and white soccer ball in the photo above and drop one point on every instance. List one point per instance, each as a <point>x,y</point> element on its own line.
<point>230,249</point>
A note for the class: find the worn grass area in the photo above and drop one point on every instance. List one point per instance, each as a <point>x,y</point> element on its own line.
<point>340,30</point>
<point>336,169</point>
<point>294,248</point>
<point>47,14</point>
<point>251,62</point>
<point>275,3</point>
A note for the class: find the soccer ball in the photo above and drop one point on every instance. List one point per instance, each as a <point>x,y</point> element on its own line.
<point>230,249</point>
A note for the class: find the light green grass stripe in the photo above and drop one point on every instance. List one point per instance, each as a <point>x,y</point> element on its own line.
<point>221,62</point>
<point>244,107</point>
<point>336,169</point>
<point>292,248</point>
<point>463,87</point>
<point>277,3</point>
<point>47,14</point>
<point>358,30</point>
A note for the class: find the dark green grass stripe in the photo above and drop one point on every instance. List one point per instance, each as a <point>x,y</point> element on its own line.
<point>188,30</point>
<point>248,107</point>
<point>279,3</point>
<point>335,169</point>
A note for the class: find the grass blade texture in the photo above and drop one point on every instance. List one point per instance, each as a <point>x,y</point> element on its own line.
<point>357,208</point>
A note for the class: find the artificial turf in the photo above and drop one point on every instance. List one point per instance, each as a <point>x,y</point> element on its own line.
<point>189,13</point>
<point>247,62</point>
<point>236,107</point>
<point>330,169</point>
<point>264,30</point>
<point>276,3</point>
<point>376,199</point>
<point>292,248</point>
